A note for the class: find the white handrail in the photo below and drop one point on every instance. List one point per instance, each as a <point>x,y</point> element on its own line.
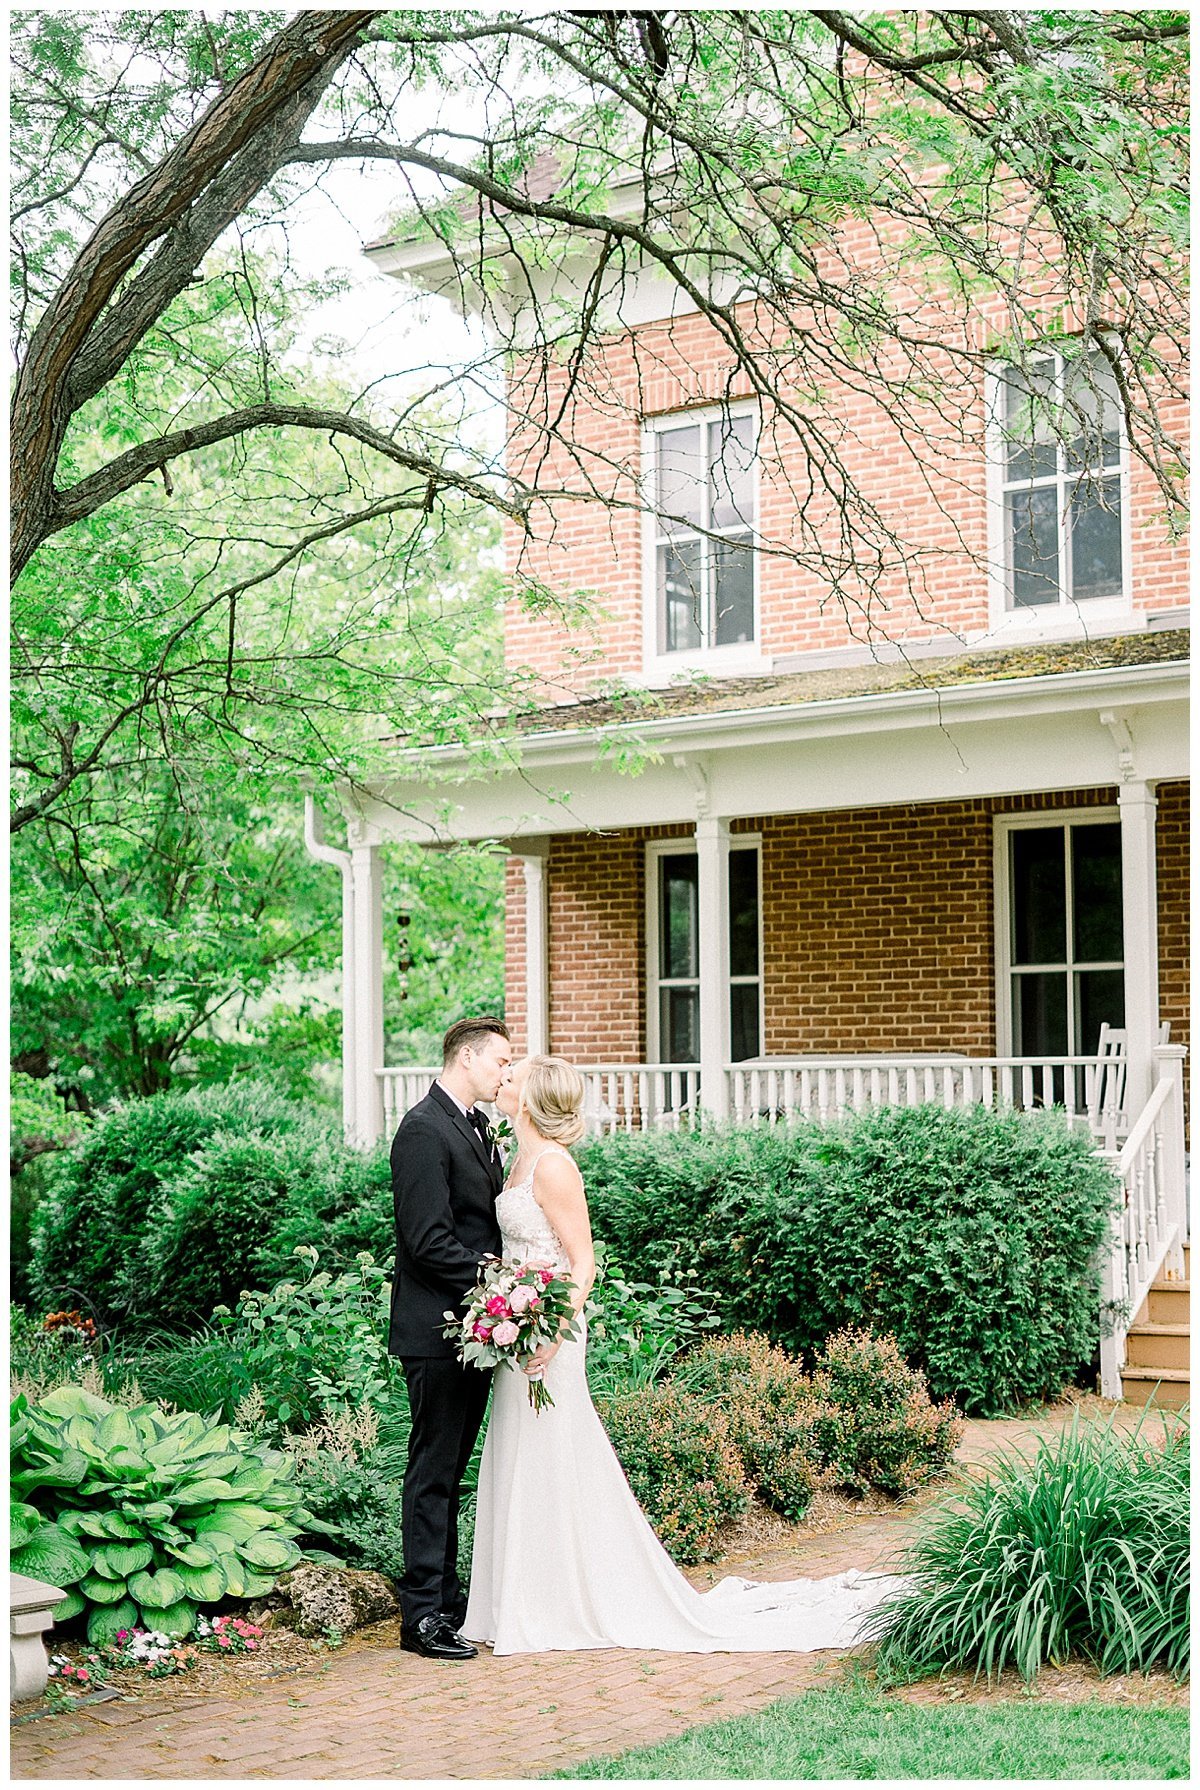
<point>1150,1225</point>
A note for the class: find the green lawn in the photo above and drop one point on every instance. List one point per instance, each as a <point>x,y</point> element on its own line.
<point>855,1733</point>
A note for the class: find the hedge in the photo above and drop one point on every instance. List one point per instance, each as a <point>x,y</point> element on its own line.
<point>972,1236</point>
<point>176,1203</point>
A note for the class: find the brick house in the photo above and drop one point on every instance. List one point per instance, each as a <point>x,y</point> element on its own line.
<point>941,854</point>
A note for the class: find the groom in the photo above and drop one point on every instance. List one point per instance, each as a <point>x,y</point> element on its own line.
<point>446,1173</point>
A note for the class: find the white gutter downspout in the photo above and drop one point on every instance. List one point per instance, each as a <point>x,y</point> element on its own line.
<point>314,828</point>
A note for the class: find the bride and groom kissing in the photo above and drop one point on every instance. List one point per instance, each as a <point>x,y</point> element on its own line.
<point>563,1557</point>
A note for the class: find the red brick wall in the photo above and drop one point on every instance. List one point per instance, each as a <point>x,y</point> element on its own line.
<point>878,929</point>
<point>1173,908</point>
<point>928,481</point>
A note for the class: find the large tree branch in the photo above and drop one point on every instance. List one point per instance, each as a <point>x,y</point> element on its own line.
<point>100,487</point>
<point>227,147</point>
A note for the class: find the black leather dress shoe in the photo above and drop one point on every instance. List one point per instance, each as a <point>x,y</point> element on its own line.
<point>435,1639</point>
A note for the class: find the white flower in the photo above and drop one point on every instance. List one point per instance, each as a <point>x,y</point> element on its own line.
<point>52,1671</point>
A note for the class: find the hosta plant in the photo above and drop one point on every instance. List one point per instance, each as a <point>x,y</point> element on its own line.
<point>144,1515</point>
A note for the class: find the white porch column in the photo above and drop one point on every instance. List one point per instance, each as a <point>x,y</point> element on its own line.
<point>1139,903</point>
<point>712,851</point>
<point>537,950</point>
<point>314,839</point>
<point>366,1004</point>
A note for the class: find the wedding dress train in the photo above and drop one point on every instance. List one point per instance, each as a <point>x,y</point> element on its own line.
<point>564,1557</point>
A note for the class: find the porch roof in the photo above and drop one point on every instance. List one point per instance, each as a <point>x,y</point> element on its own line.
<point>1031,719</point>
<point>917,670</point>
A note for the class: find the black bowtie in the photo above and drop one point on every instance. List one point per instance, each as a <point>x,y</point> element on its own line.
<point>481,1125</point>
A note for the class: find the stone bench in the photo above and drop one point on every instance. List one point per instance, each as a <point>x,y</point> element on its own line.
<point>31,1603</point>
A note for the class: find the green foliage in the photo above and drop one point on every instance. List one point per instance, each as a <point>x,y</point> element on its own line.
<point>1082,1550</point>
<point>145,1513</point>
<point>883,1430</point>
<point>174,1204</point>
<point>350,1469</point>
<point>971,1236</point>
<point>635,1330</point>
<point>863,1419</point>
<point>316,1344</point>
<point>681,1463</point>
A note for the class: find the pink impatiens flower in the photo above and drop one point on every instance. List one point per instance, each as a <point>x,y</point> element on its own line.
<point>505,1333</point>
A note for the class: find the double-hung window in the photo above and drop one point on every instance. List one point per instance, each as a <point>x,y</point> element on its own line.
<point>1061,488</point>
<point>702,477</point>
<point>1062,956</point>
<point>675,954</point>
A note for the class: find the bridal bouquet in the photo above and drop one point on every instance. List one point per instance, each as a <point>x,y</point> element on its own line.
<point>515,1307</point>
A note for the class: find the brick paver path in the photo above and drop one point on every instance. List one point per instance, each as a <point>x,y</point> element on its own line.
<point>375,1712</point>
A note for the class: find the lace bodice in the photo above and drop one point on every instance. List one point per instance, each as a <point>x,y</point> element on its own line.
<point>526,1233</point>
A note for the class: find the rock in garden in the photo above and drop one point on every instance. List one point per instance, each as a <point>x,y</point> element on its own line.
<point>311,1599</point>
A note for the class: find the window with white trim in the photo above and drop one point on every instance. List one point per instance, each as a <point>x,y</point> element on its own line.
<point>1060,445</point>
<point>703,474</point>
<point>1065,939</point>
<point>675,955</point>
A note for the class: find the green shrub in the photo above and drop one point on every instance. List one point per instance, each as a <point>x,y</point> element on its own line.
<point>863,1419</point>
<point>173,1204</point>
<point>971,1236</point>
<point>879,1426</point>
<point>773,1418</point>
<point>145,1515</point>
<point>317,1343</point>
<point>1081,1550</point>
<point>635,1330</point>
<point>682,1464</point>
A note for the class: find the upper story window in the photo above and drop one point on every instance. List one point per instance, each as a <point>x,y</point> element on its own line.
<point>1061,489</point>
<point>703,474</point>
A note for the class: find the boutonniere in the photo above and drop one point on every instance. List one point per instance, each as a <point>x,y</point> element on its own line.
<point>500,1132</point>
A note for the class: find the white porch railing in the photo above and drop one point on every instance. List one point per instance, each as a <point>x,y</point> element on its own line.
<point>1151,1224</point>
<point>1087,1088</point>
<point>641,1096</point>
<point>662,1096</point>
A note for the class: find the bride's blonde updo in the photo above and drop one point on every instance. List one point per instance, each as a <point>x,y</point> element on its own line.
<point>552,1095</point>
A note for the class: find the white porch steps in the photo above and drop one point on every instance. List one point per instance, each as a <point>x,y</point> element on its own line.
<point>1157,1345</point>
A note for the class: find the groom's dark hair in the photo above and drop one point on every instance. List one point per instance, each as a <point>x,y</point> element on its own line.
<point>472,1032</point>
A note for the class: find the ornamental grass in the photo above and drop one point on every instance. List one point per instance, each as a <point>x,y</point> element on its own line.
<point>1081,1550</point>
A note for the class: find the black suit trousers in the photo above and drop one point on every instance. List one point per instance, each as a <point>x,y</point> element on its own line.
<point>447,1402</point>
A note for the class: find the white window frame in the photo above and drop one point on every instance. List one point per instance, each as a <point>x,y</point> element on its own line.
<point>1005,826</point>
<point>744,656</point>
<point>1070,615</point>
<point>685,847</point>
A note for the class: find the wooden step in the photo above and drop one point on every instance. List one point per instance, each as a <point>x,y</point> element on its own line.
<point>1158,1345</point>
<point>1168,1303</point>
<point>1161,1279</point>
<point>1168,1387</point>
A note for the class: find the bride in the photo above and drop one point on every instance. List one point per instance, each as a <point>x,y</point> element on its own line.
<point>563,1555</point>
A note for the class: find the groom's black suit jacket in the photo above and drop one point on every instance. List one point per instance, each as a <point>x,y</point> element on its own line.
<point>444,1187</point>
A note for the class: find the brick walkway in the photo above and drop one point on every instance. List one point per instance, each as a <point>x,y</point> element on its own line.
<point>372,1711</point>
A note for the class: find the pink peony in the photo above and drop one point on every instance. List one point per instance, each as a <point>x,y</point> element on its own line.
<point>497,1307</point>
<point>505,1333</point>
<point>522,1298</point>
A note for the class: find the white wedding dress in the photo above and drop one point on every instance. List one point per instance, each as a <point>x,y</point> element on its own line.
<point>564,1557</point>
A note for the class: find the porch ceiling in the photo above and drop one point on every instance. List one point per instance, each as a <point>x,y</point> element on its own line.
<point>951,741</point>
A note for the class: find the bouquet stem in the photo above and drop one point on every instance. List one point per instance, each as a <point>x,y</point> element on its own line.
<point>539,1398</point>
